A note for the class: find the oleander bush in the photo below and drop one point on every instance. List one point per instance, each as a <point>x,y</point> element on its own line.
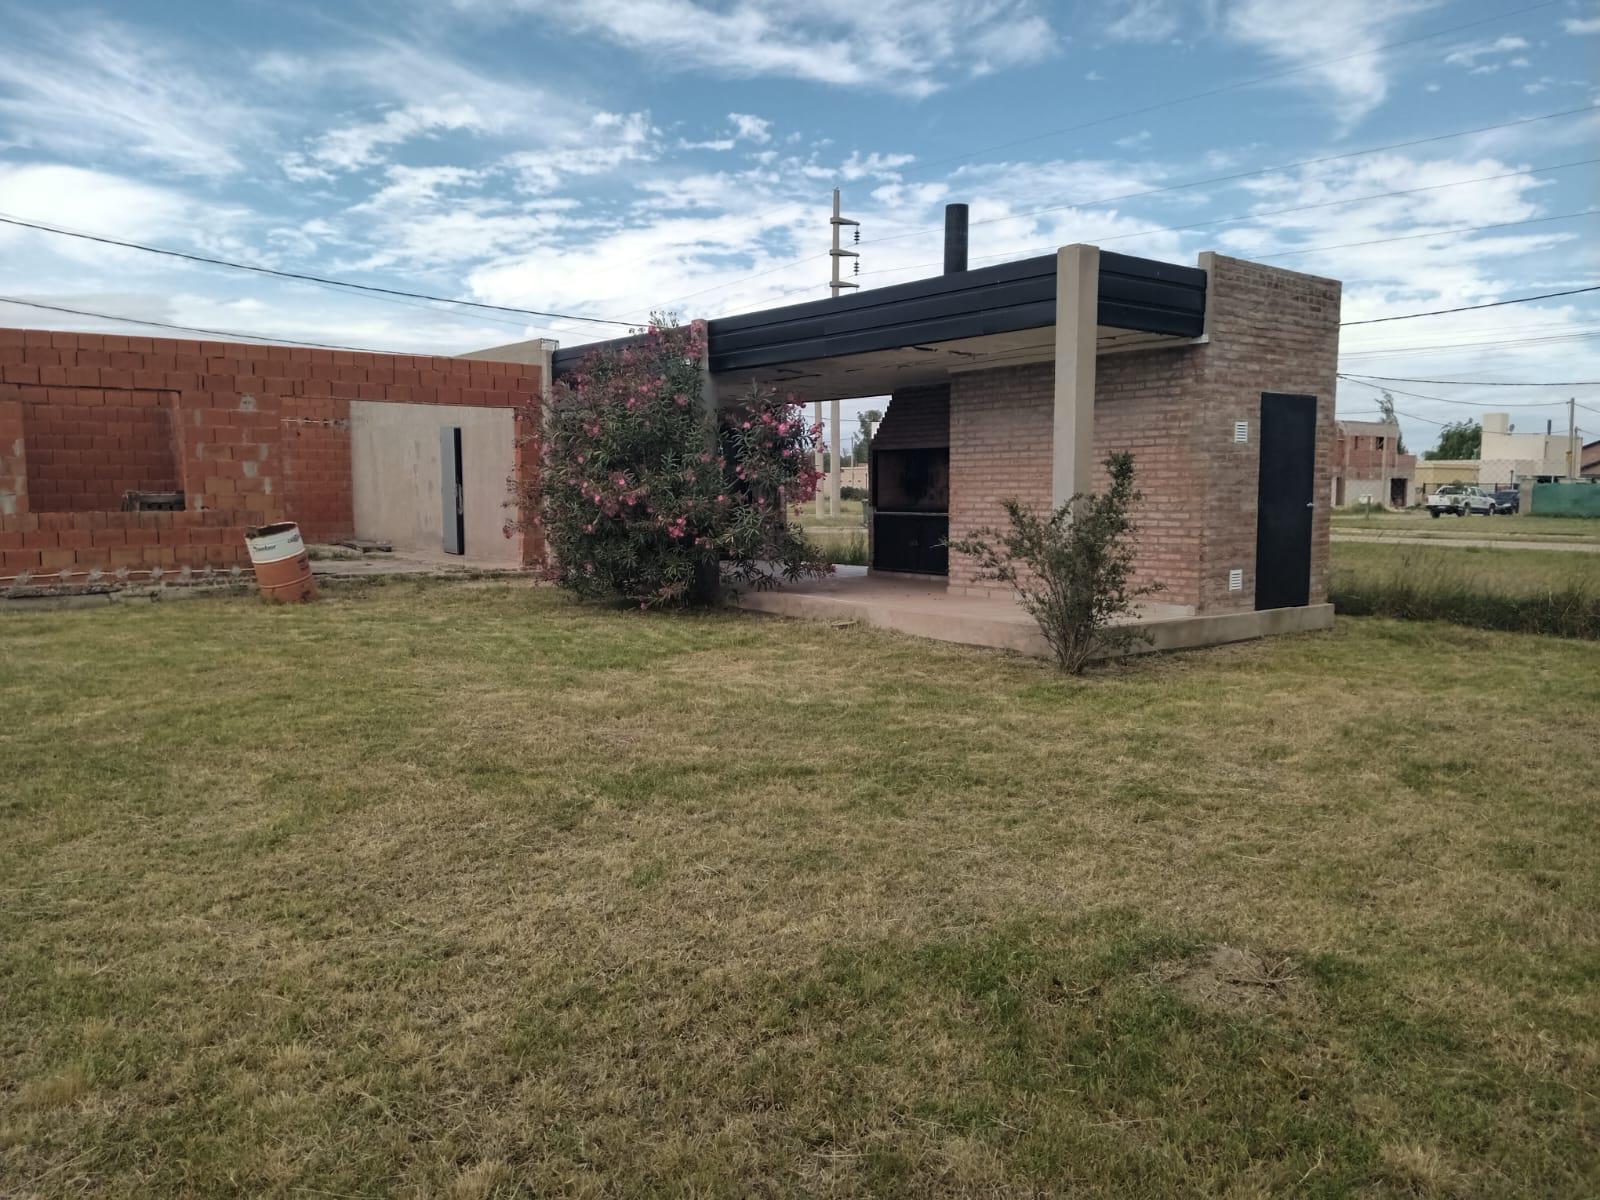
<point>647,497</point>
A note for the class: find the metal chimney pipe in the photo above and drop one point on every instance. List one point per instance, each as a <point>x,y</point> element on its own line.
<point>955,238</point>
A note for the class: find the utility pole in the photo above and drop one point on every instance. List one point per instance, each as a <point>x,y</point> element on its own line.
<point>837,254</point>
<point>816,421</point>
<point>1572,437</point>
<point>833,463</point>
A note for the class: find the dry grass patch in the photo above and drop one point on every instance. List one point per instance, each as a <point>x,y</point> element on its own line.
<point>432,891</point>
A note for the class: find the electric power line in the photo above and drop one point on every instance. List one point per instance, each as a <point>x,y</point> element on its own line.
<point>225,333</point>
<point>302,277</point>
<point>1268,170</point>
<point>1448,400</point>
<point>1276,212</point>
<point>1482,382</point>
<point>1438,312</point>
<point>1176,100</point>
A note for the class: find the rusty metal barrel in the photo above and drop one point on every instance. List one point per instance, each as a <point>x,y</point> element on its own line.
<point>283,569</point>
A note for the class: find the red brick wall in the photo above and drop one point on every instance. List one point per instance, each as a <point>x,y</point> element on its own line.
<point>259,433</point>
<point>1000,424</point>
<point>315,464</point>
<point>1174,408</point>
<point>1271,330</point>
<point>1144,404</point>
<point>917,418</point>
<point>82,457</point>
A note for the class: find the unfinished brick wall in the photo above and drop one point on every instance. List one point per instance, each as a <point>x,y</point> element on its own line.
<point>314,437</point>
<point>258,434</point>
<point>84,457</point>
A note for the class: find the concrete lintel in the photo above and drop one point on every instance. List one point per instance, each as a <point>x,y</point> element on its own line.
<point>1077,319</point>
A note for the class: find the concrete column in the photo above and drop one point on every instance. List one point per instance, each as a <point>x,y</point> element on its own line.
<point>1077,315</point>
<point>816,419</point>
<point>833,468</point>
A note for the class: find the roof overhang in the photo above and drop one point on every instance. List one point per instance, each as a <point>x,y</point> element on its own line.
<point>873,341</point>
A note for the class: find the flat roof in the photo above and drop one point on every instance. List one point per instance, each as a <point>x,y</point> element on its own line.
<point>1140,295</point>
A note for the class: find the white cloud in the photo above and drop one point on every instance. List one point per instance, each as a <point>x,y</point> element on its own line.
<point>96,90</point>
<point>610,141</point>
<point>1487,57</point>
<point>364,143</point>
<point>905,46</point>
<point>751,128</point>
<point>1342,40</point>
<point>1582,26</point>
<point>1145,21</point>
<point>90,201</point>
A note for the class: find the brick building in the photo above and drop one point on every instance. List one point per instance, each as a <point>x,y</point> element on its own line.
<point>93,427</point>
<point>1369,469</point>
<point>1017,380</point>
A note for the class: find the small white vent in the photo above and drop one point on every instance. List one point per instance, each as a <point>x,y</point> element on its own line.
<point>1236,579</point>
<point>1241,431</point>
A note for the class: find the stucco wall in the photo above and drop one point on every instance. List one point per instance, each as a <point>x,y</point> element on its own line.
<point>397,476</point>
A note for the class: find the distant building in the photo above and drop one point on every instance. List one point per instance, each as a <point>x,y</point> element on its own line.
<point>1508,458</point>
<point>1434,473</point>
<point>1368,467</point>
<point>1590,460</point>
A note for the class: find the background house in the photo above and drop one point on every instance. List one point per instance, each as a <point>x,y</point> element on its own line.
<point>1509,458</point>
<point>1368,467</point>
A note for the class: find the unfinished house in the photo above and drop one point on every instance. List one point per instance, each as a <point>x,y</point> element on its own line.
<point>148,458</point>
<point>1017,380</point>
<point>1369,469</point>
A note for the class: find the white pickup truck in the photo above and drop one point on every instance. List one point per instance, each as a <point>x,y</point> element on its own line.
<point>1461,499</point>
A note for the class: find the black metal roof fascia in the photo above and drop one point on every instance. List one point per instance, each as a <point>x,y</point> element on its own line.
<point>1139,294</point>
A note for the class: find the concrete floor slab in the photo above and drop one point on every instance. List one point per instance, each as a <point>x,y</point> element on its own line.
<point>924,608</point>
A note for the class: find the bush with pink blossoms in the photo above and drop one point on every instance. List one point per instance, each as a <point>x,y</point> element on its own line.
<point>644,498</point>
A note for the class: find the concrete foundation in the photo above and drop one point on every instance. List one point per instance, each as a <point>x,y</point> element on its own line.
<point>924,608</point>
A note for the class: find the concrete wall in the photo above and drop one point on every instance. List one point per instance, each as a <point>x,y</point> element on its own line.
<point>397,477</point>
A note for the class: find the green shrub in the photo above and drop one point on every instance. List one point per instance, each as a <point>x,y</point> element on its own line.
<point>1070,570</point>
<point>644,497</point>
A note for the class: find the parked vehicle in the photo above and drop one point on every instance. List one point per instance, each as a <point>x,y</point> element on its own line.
<point>1460,499</point>
<point>1508,500</point>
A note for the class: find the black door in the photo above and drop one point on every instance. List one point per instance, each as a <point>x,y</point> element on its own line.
<point>1284,502</point>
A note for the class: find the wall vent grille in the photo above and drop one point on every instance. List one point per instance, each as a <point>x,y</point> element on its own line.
<point>1236,579</point>
<point>1241,431</point>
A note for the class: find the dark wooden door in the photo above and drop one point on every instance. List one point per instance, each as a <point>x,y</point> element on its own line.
<point>1284,503</point>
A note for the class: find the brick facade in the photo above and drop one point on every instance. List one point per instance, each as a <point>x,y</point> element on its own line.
<point>916,419</point>
<point>1174,409</point>
<point>250,434</point>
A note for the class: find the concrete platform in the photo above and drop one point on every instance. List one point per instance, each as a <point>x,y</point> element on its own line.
<point>923,608</point>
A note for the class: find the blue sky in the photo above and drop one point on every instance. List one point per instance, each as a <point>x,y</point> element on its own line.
<point>614,157</point>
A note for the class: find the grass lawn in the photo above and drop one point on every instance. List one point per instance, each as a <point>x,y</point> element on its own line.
<point>1516,527</point>
<point>469,891</point>
<point>1514,571</point>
